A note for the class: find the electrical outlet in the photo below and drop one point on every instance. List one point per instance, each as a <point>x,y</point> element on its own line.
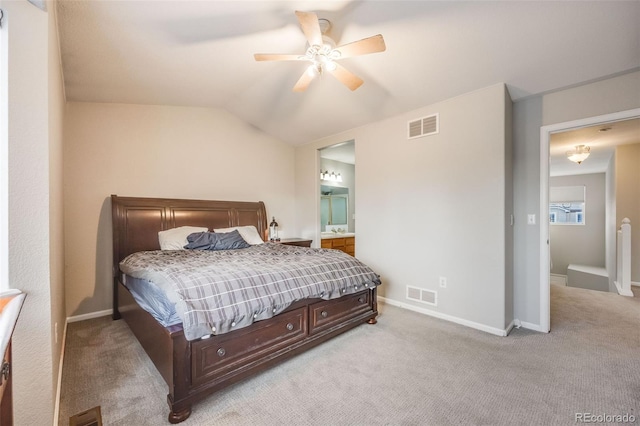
<point>443,282</point>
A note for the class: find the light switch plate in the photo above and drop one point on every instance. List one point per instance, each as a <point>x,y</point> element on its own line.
<point>531,219</point>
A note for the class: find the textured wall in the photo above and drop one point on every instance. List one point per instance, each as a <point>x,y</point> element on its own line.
<point>31,81</point>
<point>157,151</point>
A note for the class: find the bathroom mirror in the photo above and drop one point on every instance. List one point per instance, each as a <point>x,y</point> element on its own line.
<point>334,206</point>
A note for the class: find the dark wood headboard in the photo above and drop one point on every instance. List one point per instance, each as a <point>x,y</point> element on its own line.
<point>137,221</point>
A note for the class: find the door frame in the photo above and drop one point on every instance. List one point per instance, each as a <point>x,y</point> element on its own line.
<point>545,137</point>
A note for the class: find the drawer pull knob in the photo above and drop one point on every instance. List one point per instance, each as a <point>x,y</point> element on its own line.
<point>361,299</point>
<point>221,352</point>
<point>324,314</point>
<point>289,326</point>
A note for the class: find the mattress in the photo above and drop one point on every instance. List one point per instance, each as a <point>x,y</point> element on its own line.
<point>219,291</point>
<point>153,300</point>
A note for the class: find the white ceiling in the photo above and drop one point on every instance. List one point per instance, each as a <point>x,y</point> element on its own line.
<point>200,53</point>
<point>344,152</point>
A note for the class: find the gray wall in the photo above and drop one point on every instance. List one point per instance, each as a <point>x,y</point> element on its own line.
<point>610,219</point>
<point>616,94</point>
<point>430,207</point>
<point>508,212</point>
<point>580,244</point>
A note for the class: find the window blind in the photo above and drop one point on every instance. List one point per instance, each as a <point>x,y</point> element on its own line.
<point>567,194</point>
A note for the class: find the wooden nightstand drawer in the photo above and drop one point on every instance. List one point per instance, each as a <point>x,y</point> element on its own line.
<point>300,242</point>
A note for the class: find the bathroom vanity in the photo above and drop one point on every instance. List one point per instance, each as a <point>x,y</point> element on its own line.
<point>345,242</point>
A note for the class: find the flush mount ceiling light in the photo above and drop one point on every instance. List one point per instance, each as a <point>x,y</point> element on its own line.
<point>323,53</point>
<point>579,154</point>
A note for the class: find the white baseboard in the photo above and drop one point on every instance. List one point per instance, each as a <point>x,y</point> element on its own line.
<point>451,318</point>
<point>90,315</point>
<point>635,283</point>
<point>621,291</point>
<point>534,327</point>
<point>558,279</point>
<point>56,411</point>
<point>510,327</point>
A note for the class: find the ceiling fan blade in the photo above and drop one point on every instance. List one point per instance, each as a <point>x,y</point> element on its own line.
<point>276,57</point>
<point>310,27</point>
<point>303,82</point>
<point>346,77</point>
<point>365,46</point>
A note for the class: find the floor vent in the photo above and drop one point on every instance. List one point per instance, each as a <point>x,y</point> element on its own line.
<point>425,126</point>
<point>429,297</point>
<point>91,417</point>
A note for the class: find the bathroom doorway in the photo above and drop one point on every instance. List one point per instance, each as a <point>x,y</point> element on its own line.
<point>337,188</point>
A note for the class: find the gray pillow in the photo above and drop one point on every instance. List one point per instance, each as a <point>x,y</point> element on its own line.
<point>212,241</point>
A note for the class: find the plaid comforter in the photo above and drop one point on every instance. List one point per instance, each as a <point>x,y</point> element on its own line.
<point>219,291</point>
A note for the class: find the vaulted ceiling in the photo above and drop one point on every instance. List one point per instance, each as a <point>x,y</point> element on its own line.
<point>200,53</point>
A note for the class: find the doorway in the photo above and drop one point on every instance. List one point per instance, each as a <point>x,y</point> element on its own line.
<point>337,188</point>
<point>545,160</point>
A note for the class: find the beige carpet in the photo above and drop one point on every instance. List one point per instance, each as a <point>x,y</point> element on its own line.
<point>409,369</point>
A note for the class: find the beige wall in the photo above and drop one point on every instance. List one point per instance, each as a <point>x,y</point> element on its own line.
<point>157,151</point>
<point>628,198</point>
<point>428,207</point>
<point>56,211</point>
<point>36,263</point>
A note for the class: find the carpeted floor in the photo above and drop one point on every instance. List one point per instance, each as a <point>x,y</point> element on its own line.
<point>408,369</point>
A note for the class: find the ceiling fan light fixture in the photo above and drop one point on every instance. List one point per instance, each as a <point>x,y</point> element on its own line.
<point>326,62</point>
<point>322,52</point>
<point>579,154</point>
<point>314,70</point>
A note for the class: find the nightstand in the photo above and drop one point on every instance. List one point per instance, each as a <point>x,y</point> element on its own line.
<point>300,242</point>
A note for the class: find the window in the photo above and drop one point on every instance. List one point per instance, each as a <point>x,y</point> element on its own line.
<point>566,213</point>
<point>566,205</point>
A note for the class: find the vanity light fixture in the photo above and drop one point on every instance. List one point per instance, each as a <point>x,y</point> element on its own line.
<point>332,177</point>
<point>579,154</point>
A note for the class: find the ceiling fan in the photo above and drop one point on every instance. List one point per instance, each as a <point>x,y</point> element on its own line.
<point>323,53</point>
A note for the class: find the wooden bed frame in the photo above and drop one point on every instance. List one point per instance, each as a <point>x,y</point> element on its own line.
<point>196,369</point>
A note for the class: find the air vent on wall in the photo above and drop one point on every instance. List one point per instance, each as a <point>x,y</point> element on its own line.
<point>424,126</point>
<point>421,295</point>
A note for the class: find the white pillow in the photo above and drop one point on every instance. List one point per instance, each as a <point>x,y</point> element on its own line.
<point>248,233</point>
<point>176,238</point>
